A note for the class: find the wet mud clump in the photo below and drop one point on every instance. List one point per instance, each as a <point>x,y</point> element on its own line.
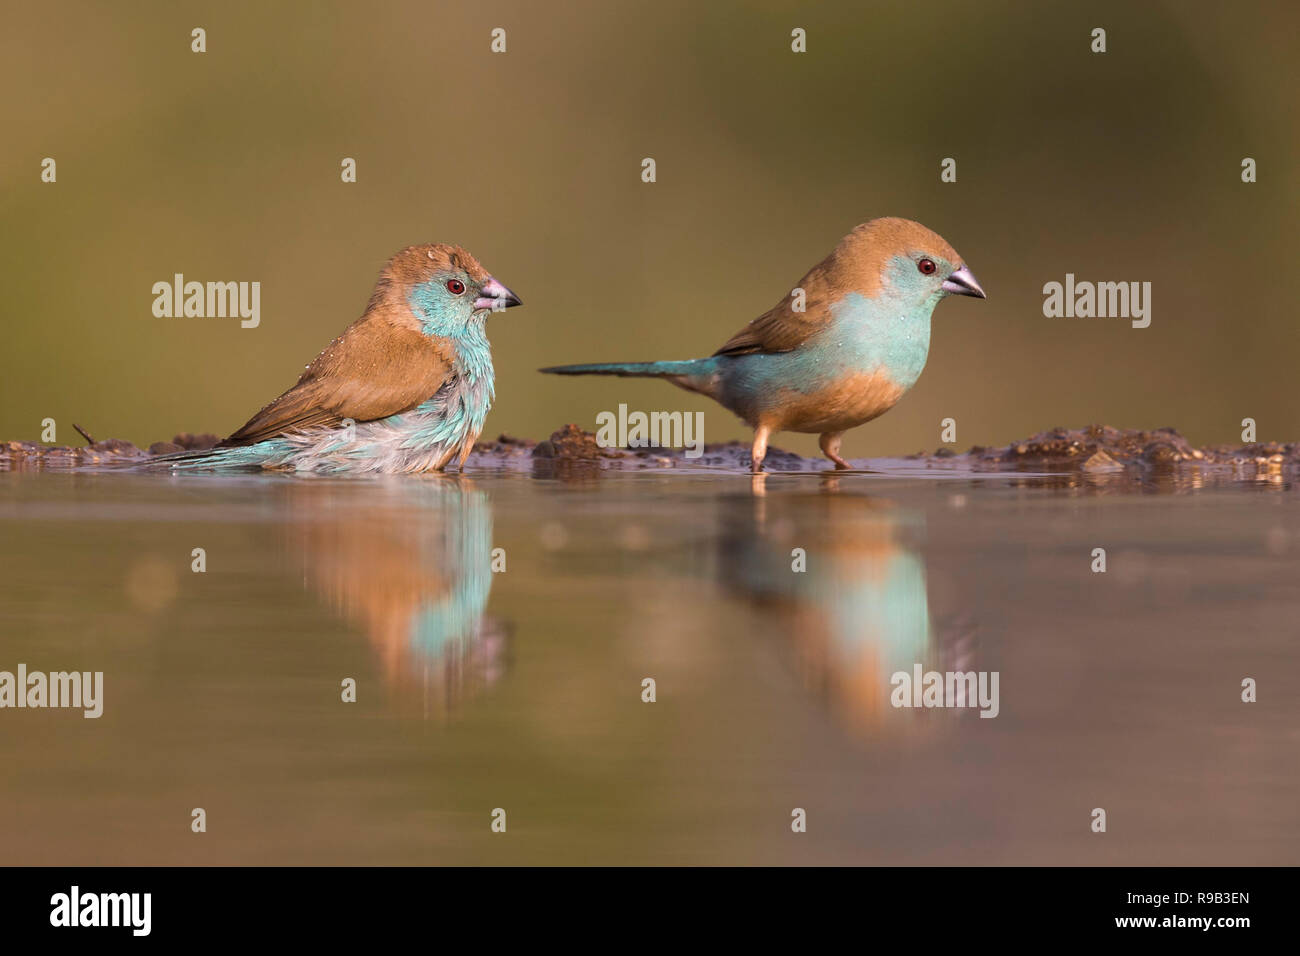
<point>1103,448</point>
<point>572,444</point>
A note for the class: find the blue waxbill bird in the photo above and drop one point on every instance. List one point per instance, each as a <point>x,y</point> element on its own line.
<point>859,342</point>
<point>405,388</point>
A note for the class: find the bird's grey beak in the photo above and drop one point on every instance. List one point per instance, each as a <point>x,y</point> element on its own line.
<point>962,282</point>
<point>493,295</point>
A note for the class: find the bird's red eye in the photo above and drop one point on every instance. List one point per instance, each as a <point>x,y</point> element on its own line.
<point>456,287</point>
<point>926,266</point>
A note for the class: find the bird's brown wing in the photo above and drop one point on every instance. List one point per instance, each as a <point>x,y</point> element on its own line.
<point>781,328</point>
<point>371,371</point>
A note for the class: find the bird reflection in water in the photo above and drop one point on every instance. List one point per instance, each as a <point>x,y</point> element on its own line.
<point>859,612</point>
<point>410,564</point>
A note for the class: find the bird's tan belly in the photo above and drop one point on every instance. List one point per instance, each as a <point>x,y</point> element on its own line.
<point>849,402</point>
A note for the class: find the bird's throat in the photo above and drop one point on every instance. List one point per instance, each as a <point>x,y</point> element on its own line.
<point>882,334</point>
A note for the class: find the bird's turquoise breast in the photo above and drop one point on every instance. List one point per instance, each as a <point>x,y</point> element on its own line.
<point>870,352</point>
<point>474,368</point>
<point>877,334</point>
<point>466,409</point>
<point>459,409</point>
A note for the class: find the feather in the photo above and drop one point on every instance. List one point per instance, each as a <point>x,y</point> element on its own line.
<point>856,264</point>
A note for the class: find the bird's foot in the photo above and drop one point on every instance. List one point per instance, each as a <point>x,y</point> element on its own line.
<point>830,446</point>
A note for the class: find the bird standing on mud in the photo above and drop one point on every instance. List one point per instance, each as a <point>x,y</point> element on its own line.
<point>840,350</point>
<point>405,388</point>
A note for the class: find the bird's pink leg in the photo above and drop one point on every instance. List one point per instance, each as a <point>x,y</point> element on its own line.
<point>465,449</point>
<point>759,451</point>
<point>443,460</point>
<point>830,446</point>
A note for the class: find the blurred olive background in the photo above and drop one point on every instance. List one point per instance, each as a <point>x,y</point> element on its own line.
<point>225,166</point>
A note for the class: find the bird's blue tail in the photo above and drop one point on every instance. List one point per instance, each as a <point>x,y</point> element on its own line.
<point>217,458</point>
<point>694,375</point>
<point>688,367</point>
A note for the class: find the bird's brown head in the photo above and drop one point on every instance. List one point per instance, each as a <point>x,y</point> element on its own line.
<point>899,258</point>
<point>444,284</point>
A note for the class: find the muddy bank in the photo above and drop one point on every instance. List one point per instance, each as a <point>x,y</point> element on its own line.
<point>107,451</point>
<point>1104,448</point>
<point>1096,449</point>
<point>1093,449</point>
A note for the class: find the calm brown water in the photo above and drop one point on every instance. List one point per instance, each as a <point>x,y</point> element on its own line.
<point>522,689</point>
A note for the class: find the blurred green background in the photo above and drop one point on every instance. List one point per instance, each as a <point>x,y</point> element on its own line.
<point>225,166</point>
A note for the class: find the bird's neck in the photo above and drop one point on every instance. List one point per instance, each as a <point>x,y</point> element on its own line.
<point>474,352</point>
<point>884,332</point>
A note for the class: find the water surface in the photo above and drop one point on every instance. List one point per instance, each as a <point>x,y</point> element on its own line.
<point>521,689</point>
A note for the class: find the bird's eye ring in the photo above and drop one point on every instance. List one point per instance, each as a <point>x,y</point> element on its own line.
<point>926,266</point>
<point>455,286</point>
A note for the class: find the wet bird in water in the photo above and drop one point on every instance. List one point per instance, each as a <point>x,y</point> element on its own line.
<point>839,350</point>
<point>405,388</point>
